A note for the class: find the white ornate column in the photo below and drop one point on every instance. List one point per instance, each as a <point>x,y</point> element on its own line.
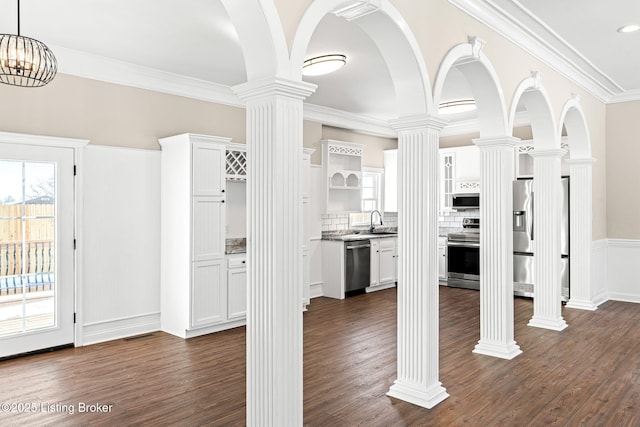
<point>274,254</point>
<point>547,213</point>
<point>496,248</point>
<point>581,216</point>
<point>418,349</point>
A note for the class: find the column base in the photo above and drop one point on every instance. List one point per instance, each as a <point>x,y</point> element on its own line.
<point>581,305</point>
<point>417,395</point>
<point>503,351</point>
<point>553,324</point>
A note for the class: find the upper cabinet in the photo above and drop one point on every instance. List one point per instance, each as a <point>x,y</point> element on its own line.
<point>342,167</point>
<point>391,180</point>
<point>459,173</point>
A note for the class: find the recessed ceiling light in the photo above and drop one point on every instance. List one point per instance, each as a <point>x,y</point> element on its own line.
<point>629,28</point>
<point>324,64</point>
<point>458,106</point>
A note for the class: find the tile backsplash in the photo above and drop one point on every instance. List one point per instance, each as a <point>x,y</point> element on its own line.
<point>453,219</point>
<point>340,221</point>
<point>446,220</point>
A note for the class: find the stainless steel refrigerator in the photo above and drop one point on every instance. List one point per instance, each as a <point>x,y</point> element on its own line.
<point>524,235</point>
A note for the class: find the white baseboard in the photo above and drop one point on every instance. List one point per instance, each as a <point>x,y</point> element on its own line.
<point>315,290</point>
<point>114,329</point>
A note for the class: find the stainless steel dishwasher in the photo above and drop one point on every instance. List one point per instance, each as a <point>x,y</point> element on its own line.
<point>358,267</point>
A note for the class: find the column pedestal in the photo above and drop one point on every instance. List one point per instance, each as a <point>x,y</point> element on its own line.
<point>418,288</point>
<point>496,248</point>
<point>274,252</point>
<point>547,211</point>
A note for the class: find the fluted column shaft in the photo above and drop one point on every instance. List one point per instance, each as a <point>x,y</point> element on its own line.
<point>418,348</point>
<point>547,214</point>
<point>274,253</point>
<point>496,248</point>
<point>581,217</point>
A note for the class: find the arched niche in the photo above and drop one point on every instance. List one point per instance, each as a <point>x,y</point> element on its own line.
<point>261,37</point>
<point>391,34</point>
<point>572,119</point>
<point>477,69</point>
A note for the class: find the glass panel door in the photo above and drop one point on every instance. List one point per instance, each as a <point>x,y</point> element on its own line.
<point>27,246</point>
<point>36,248</point>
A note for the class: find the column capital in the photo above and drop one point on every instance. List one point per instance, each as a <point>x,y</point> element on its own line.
<point>260,88</point>
<point>496,141</point>
<point>547,152</point>
<point>421,121</point>
<point>583,161</point>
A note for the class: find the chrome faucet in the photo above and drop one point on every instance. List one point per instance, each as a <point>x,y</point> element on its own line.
<point>372,228</point>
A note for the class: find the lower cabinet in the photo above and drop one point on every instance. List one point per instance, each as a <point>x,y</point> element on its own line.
<point>236,287</point>
<point>442,258</point>
<point>383,263</point>
<point>208,293</point>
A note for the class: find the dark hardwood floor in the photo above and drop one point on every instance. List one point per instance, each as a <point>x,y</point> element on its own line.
<point>588,374</point>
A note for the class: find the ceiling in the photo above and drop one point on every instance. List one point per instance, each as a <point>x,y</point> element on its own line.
<point>195,39</point>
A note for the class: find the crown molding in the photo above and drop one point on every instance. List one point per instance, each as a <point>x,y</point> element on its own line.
<point>343,119</point>
<point>95,67</point>
<point>629,96</point>
<point>509,19</point>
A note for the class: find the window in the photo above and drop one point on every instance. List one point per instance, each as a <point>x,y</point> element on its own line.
<point>371,198</point>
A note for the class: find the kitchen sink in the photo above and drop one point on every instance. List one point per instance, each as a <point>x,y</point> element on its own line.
<point>394,233</point>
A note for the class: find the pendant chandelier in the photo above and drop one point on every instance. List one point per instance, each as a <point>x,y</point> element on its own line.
<point>25,61</point>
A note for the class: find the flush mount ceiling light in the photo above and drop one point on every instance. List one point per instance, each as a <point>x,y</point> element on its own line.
<point>25,61</point>
<point>629,28</point>
<point>457,106</point>
<point>323,64</point>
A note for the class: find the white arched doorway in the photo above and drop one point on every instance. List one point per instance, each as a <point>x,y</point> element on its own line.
<point>547,208</point>
<point>274,230</point>
<point>572,119</point>
<point>417,381</point>
<point>496,174</point>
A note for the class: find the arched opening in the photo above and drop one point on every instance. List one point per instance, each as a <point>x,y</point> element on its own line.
<point>573,124</point>
<point>495,154</point>
<point>540,203</point>
<point>409,86</point>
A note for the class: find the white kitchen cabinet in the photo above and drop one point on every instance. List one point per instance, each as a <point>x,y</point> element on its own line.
<point>442,258</point>
<point>306,235</point>
<point>237,286</point>
<point>459,173</point>
<point>391,180</point>
<point>193,274</point>
<point>342,167</point>
<point>383,263</point>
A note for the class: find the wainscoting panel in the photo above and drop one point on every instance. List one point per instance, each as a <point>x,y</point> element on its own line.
<point>622,270</point>
<point>121,267</point>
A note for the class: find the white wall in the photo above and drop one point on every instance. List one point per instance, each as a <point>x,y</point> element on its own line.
<point>120,286</point>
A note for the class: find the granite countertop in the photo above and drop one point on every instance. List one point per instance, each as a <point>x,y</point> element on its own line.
<point>236,245</point>
<point>344,235</point>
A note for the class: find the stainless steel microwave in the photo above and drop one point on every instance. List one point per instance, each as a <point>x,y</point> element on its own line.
<point>462,201</point>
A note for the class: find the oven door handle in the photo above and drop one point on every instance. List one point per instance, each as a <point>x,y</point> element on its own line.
<point>463,244</point>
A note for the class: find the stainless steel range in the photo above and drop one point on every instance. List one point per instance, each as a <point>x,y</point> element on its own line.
<point>463,255</point>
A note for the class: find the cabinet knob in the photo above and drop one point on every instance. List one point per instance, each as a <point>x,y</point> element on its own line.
<point>244,262</point>
<point>222,190</point>
<point>222,201</point>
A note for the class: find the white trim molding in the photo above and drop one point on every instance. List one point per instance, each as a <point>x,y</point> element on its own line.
<point>518,25</point>
<point>114,329</point>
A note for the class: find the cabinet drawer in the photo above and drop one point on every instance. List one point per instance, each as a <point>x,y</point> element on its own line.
<point>236,262</point>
